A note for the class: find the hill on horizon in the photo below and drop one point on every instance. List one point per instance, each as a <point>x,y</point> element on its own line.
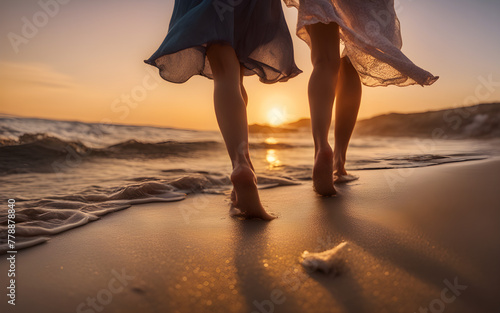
<point>475,121</point>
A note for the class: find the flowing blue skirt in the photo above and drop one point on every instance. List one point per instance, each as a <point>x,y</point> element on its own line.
<point>256,29</point>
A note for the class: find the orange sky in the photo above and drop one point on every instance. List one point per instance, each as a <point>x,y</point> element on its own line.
<point>85,63</point>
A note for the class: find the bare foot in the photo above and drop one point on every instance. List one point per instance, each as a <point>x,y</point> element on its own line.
<point>323,173</point>
<point>233,193</point>
<point>233,198</point>
<point>245,195</point>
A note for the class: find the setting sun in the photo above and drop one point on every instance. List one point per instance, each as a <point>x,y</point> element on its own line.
<point>276,116</point>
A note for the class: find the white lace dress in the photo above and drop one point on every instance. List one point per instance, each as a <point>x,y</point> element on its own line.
<point>371,34</point>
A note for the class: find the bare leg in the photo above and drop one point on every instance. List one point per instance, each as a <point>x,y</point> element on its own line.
<point>245,99</point>
<point>346,113</point>
<point>242,88</point>
<point>230,109</point>
<point>325,58</point>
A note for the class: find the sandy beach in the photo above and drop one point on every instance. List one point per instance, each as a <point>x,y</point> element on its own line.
<point>126,125</point>
<point>418,240</point>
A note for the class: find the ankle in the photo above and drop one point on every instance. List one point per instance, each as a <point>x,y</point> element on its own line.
<point>339,162</point>
<point>243,174</point>
<point>339,152</point>
<point>324,151</point>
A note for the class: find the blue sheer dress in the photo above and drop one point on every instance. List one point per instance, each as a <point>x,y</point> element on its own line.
<point>256,29</point>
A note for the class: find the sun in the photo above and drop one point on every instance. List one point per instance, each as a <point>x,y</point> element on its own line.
<point>276,116</point>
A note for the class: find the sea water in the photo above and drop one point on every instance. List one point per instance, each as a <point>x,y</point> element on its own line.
<point>64,174</point>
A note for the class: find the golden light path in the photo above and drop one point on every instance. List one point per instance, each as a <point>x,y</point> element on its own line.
<point>271,141</point>
<point>272,158</point>
<point>271,155</point>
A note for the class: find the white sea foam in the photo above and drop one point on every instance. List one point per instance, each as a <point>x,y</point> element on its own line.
<point>326,261</point>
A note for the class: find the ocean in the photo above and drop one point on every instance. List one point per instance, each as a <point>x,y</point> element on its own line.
<point>64,174</point>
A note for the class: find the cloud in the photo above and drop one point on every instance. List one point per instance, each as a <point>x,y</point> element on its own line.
<point>30,74</point>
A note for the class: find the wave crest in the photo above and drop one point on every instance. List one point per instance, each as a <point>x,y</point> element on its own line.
<point>35,153</point>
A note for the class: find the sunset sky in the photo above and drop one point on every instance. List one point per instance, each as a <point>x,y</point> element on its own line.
<point>85,62</point>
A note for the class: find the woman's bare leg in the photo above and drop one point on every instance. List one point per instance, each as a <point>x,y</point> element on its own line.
<point>325,58</point>
<point>346,113</point>
<point>230,109</point>
<point>245,99</point>
<point>242,88</point>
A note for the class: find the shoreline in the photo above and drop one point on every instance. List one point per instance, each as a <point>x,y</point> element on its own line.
<point>265,181</point>
<point>406,244</point>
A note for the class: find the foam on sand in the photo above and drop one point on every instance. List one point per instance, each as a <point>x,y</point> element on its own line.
<point>342,179</point>
<point>326,261</point>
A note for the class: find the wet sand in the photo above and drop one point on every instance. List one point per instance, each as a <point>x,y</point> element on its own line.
<point>421,239</point>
